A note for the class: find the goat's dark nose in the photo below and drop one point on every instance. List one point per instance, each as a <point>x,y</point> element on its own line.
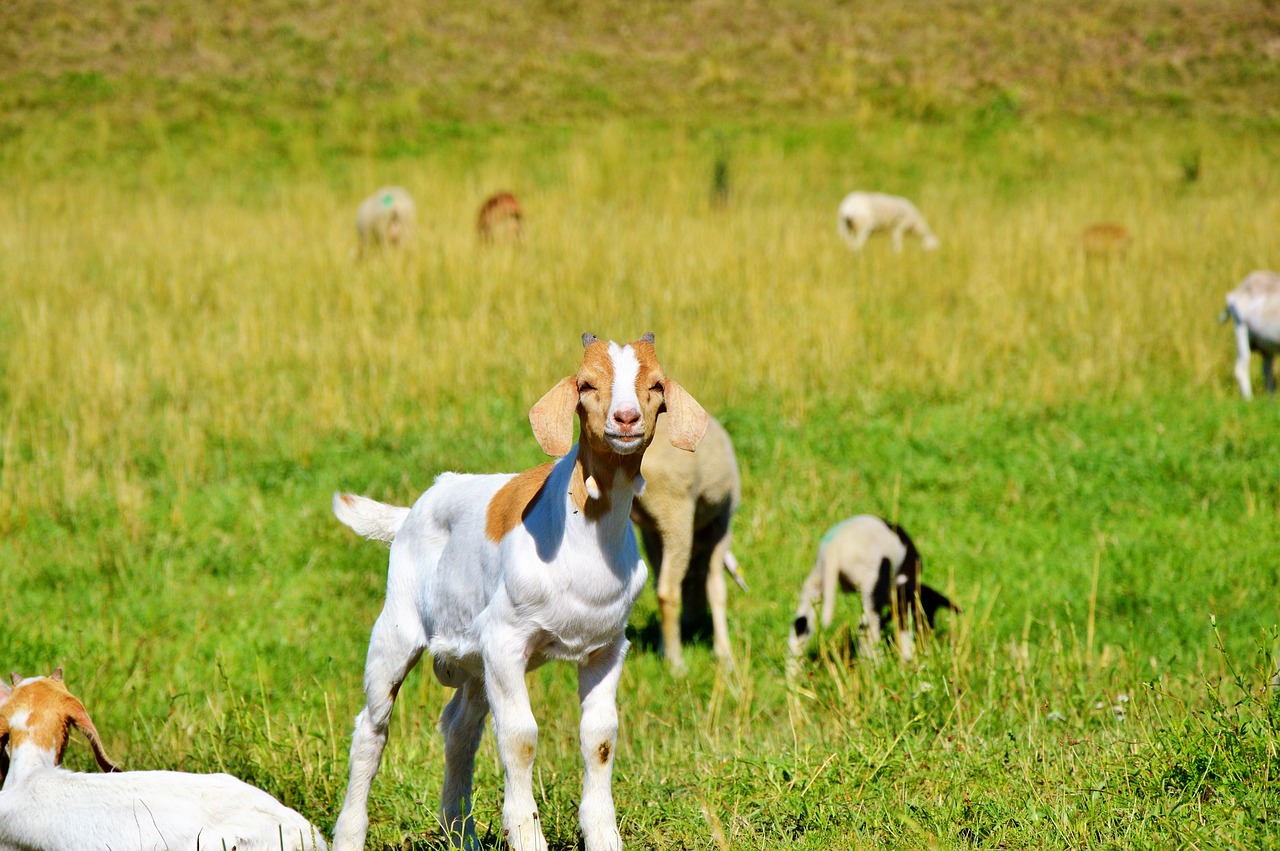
<point>627,417</point>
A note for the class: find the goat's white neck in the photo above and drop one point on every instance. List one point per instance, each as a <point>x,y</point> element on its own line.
<point>26,758</point>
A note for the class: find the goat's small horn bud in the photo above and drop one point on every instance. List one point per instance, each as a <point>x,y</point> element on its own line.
<point>57,673</point>
<point>647,337</point>
<point>588,339</point>
<point>15,677</point>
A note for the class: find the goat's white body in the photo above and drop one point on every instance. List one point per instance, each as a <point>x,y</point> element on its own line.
<point>386,217</point>
<point>572,596</point>
<point>1254,307</point>
<point>557,586</point>
<point>852,555</point>
<point>51,809</point>
<point>863,213</point>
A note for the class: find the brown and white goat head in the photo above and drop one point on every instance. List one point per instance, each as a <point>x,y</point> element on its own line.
<point>617,394</point>
<point>39,714</point>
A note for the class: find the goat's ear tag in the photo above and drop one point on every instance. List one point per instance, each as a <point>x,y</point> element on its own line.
<point>686,419</point>
<point>552,417</point>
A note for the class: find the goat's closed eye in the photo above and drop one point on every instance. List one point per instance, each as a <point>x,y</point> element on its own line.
<point>585,387</point>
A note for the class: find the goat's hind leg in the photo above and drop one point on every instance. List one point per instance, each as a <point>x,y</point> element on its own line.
<point>1268,371</point>
<point>462,725</point>
<point>394,648</point>
<point>718,599</point>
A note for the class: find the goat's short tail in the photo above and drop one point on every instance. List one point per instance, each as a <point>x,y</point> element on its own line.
<point>370,518</point>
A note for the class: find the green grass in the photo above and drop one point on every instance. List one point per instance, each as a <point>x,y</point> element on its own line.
<point>191,362</point>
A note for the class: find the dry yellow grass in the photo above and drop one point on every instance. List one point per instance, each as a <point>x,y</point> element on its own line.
<point>144,319</point>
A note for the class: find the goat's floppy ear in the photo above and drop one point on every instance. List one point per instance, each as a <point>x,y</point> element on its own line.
<point>5,691</point>
<point>552,417</point>
<point>79,716</point>
<point>686,419</point>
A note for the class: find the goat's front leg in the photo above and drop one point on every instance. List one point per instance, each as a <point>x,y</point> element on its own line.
<point>677,549</point>
<point>1242,360</point>
<point>871,621</point>
<point>462,725</point>
<point>1268,371</point>
<point>505,664</point>
<point>598,691</point>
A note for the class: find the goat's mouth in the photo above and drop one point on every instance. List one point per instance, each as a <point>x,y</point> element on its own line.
<point>624,442</point>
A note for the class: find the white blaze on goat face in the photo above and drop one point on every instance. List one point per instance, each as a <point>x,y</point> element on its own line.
<point>626,423</point>
<point>620,392</point>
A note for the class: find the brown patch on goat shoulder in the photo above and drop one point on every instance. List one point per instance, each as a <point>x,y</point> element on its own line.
<point>604,751</point>
<point>512,501</point>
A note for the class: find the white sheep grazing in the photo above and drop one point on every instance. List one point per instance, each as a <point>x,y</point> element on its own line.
<point>495,575</point>
<point>684,516</point>
<point>44,807</point>
<point>385,218</point>
<point>1254,306</point>
<point>864,213</point>
<point>869,555</point>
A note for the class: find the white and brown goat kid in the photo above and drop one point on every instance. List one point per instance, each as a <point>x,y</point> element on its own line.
<point>46,807</point>
<point>494,575</point>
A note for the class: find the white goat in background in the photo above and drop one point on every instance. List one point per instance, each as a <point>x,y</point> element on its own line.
<point>1254,307</point>
<point>385,218</point>
<point>864,213</point>
<point>44,807</point>
<point>495,575</point>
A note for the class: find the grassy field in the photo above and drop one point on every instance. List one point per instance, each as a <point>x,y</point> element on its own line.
<point>192,361</point>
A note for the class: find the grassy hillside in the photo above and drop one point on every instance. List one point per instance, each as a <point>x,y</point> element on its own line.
<point>382,77</point>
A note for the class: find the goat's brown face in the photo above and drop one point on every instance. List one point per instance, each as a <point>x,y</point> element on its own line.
<point>48,712</point>
<point>617,393</point>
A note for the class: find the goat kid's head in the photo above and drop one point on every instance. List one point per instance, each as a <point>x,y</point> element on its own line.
<point>40,712</point>
<point>617,393</point>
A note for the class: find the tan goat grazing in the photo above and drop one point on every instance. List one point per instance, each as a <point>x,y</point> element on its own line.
<point>500,218</point>
<point>1105,238</point>
<point>385,218</point>
<point>879,560</point>
<point>684,515</point>
<point>44,807</point>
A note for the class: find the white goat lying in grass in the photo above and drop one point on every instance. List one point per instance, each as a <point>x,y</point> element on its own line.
<point>878,559</point>
<point>495,575</point>
<point>864,213</point>
<point>684,516</point>
<point>1254,306</point>
<point>46,808</point>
